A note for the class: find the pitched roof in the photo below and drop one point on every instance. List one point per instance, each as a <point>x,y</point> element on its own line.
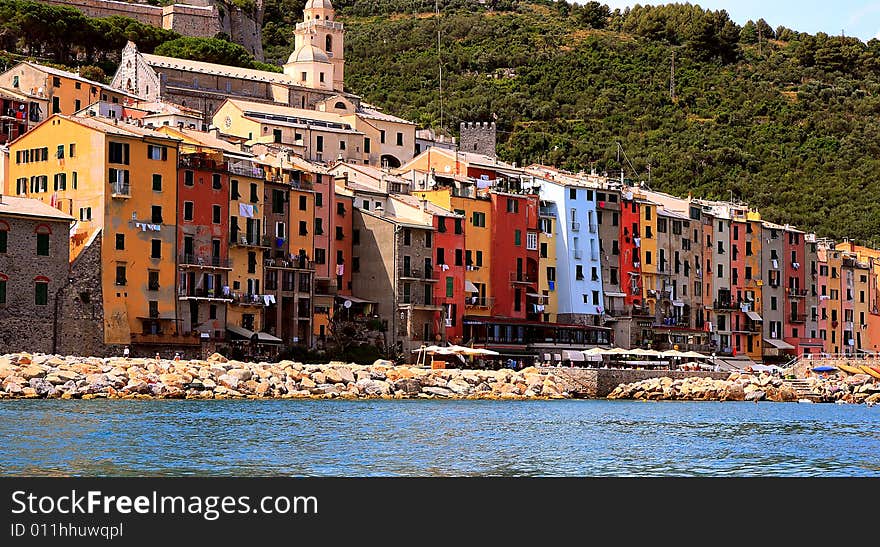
<point>370,112</point>
<point>29,207</point>
<point>217,70</point>
<point>105,125</point>
<point>74,76</point>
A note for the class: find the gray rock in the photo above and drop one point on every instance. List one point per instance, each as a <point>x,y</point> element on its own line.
<point>41,386</point>
<point>408,386</point>
<point>240,374</point>
<point>756,395</point>
<point>438,391</point>
<point>373,387</point>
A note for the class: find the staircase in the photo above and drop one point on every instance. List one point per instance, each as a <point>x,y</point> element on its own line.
<point>801,386</point>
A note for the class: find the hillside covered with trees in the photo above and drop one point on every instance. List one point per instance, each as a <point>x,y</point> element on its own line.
<point>786,121</point>
<point>783,120</point>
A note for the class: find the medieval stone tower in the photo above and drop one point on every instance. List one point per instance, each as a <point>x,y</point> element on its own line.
<point>318,58</point>
<point>478,138</point>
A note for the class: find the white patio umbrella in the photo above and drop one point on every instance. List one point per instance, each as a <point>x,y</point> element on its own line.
<point>673,353</point>
<point>694,355</point>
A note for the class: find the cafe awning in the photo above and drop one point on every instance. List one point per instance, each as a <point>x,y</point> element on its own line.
<point>240,332</point>
<point>470,287</point>
<point>615,294</point>
<point>573,355</point>
<point>753,316</point>
<point>266,338</point>
<point>778,344</point>
<point>355,299</point>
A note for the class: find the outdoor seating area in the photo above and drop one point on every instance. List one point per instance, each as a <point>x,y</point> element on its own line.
<point>631,359</point>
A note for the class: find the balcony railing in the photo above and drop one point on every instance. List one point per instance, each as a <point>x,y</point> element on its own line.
<point>479,302</point>
<point>291,264</point>
<point>120,190</point>
<point>724,305</point>
<point>195,162</point>
<point>798,317</point>
<point>250,240</point>
<point>210,294</point>
<point>796,293</point>
<point>592,227</point>
<point>547,212</point>
<point>203,261</point>
<point>246,170</point>
<point>248,299</point>
<point>417,273</point>
<point>575,226</point>
<point>522,277</point>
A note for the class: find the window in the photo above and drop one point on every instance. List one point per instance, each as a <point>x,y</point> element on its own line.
<point>340,209</point>
<point>157,182</point>
<point>319,144</point>
<point>85,213</point>
<point>319,226</point>
<point>212,311</point>
<point>399,139</point>
<point>303,228</point>
<point>720,270</point>
<point>366,145</point>
<point>615,247</point>
<point>156,214</point>
<point>748,272</point>
<point>280,230</point>
<point>321,77</point>
<point>56,105</point>
<point>428,238</point>
<point>479,262</point>
<point>59,153</point>
<point>339,233</point>
<point>572,194</point>
<point>216,211</point>
<point>407,236</point>
<point>512,205</point>
<point>595,298</point>
<point>594,273</point>
<point>41,293</point>
<point>613,277</point>
<point>216,181</point>
<point>543,250</point>
<point>647,213</point>
<point>303,203</point>
<point>153,280</point>
<point>355,264</point>
<point>579,272</point>
<point>60,181</point>
<point>382,136</point>
<point>355,237</point>
<point>458,256</point>
<point>188,210</point>
<point>252,262</point>
<point>648,233</point>
<point>155,248</point>
<point>773,303</point>
<point>648,257</point>
<point>4,239</point>
<point>551,273</point>
<point>517,238</point>
<point>2,290</point>
<point>255,196</point>
<point>278,201</point>
<point>303,76</point>
<point>532,241</point>
<point>155,152</point>
<point>479,219</point>
<point>748,246</point>
<point>320,256</point>
<point>614,218</point>
<point>120,274</point>
<point>720,227</point>
<point>189,178</point>
<point>120,242</point>
<point>661,225</point>
<point>406,293</point>
<point>233,189</point>
<point>118,153</point>
<point>42,244</point>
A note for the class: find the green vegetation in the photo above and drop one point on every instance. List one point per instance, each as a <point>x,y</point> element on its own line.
<point>211,50</point>
<point>783,120</point>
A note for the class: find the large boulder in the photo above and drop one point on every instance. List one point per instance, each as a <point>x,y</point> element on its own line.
<point>374,387</point>
<point>438,391</point>
<point>240,374</point>
<point>41,386</point>
<point>407,386</point>
<point>217,358</point>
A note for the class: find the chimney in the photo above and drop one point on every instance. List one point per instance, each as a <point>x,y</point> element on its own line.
<point>424,203</point>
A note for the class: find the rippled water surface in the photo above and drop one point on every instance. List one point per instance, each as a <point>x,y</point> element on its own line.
<point>437,438</point>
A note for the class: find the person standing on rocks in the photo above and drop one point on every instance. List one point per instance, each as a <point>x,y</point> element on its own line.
<point>125,352</point>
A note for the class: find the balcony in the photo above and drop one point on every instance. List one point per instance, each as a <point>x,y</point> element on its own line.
<point>522,277</point>
<point>248,299</point>
<point>293,264</point>
<point>204,294</point>
<point>121,190</point>
<point>195,162</point>
<point>250,240</point>
<point>203,261</point>
<point>547,211</point>
<point>795,292</point>
<point>592,227</point>
<point>578,254</point>
<point>416,274</point>
<point>245,170</point>
<point>724,305</point>
<point>479,302</point>
<point>798,317</point>
<point>575,226</point>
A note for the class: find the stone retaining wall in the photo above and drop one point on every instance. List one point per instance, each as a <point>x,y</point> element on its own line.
<point>599,382</point>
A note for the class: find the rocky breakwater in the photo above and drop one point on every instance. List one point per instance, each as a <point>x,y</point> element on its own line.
<point>859,388</point>
<point>64,377</point>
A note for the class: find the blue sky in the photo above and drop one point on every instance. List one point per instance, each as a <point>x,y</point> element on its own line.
<point>859,18</point>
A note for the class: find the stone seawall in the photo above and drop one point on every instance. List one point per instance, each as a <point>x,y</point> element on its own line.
<point>58,377</point>
<point>599,382</point>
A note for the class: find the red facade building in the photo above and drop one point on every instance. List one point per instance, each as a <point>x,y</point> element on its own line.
<point>449,272</point>
<point>514,254</point>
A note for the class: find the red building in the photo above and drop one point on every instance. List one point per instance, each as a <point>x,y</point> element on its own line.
<point>332,260</point>
<point>514,255</point>
<point>449,272</point>
<point>630,251</point>
<point>794,279</point>
<point>17,114</point>
<point>202,242</point>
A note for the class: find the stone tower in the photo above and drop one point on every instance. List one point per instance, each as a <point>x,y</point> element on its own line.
<point>478,138</point>
<point>318,41</point>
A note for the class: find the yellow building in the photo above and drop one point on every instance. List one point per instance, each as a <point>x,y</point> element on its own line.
<point>477,227</point>
<point>867,312</point>
<point>121,179</point>
<point>60,91</point>
<point>652,280</point>
<point>834,332</point>
<point>547,261</point>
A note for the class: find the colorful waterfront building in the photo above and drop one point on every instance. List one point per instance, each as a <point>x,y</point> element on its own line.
<point>547,263</point>
<point>745,263</point>
<point>119,179</point>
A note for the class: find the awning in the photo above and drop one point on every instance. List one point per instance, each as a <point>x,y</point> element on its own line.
<point>240,332</point>
<point>266,338</point>
<point>546,356</point>
<point>557,357</point>
<point>753,315</point>
<point>470,287</point>
<point>535,295</point>
<point>355,299</point>
<point>573,355</point>
<point>778,344</point>
<point>615,294</point>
